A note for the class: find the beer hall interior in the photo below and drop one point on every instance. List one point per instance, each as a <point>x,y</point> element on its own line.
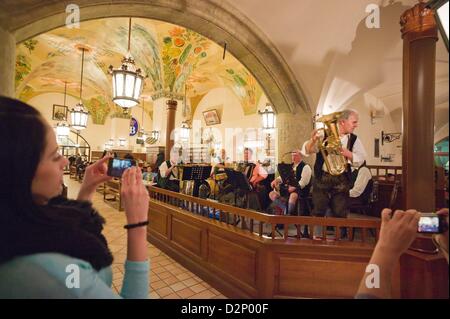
<point>218,84</point>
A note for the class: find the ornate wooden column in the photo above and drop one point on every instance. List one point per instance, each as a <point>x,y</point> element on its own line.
<point>171,111</point>
<point>422,275</point>
<point>419,33</point>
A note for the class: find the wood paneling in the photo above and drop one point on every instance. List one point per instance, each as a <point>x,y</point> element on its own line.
<point>158,221</point>
<point>318,278</point>
<point>187,236</point>
<point>243,264</point>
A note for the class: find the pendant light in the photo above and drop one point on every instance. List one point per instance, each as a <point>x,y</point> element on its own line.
<point>79,115</point>
<point>185,128</point>
<point>127,81</point>
<point>268,118</point>
<point>63,128</point>
<point>268,124</point>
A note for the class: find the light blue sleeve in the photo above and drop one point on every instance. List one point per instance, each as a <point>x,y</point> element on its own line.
<point>135,281</point>
<point>58,276</point>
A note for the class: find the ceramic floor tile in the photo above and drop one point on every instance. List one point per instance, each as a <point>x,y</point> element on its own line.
<point>168,279</point>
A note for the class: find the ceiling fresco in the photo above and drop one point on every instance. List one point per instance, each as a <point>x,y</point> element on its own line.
<point>173,59</point>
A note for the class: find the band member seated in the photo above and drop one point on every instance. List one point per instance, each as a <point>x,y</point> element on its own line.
<point>292,191</point>
<point>168,172</point>
<point>362,186</point>
<point>255,173</point>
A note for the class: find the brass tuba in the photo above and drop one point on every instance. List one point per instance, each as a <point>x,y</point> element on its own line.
<point>330,145</point>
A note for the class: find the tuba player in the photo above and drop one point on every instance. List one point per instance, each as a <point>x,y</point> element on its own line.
<point>331,191</point>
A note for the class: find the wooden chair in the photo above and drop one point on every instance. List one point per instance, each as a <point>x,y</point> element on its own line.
<point>365,208</point>
<point>394,194</point>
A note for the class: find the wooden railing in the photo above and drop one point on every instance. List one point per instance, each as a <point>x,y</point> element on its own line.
<point>241,253</point>
<point>230,249</point>
<point>387,173</point>
<point>256,223</point>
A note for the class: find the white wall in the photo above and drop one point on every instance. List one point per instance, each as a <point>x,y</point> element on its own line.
<point>96,135</point>
<point>233,124</point>
<point>369,129</point>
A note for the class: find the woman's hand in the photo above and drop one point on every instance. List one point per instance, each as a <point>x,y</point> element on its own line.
<point>94,175</point>
<point>135,196</point>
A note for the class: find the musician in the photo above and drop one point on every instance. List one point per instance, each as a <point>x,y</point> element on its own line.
<point>169,172</point>
<point>219,162</point>
<point>331,191</point>
<point>255,172</point>
<point>362,186</point>
<point>302,174</point>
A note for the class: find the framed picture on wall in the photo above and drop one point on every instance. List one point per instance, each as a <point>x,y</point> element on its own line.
<point>59,112</point>
<point>211,117</point>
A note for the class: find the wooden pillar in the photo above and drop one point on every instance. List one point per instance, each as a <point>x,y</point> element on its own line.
<point>422,275</point>
<point>171,112</point>
<point>7,63</point>
<point>419,33</point>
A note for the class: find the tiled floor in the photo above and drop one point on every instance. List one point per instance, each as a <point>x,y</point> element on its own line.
<point>168,279</point>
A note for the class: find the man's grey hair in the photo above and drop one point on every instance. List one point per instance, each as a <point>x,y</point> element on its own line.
<point>346,114</point>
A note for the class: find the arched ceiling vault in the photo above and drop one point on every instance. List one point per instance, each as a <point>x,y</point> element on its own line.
<point>214,19</point>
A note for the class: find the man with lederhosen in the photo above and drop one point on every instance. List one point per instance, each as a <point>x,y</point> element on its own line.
<point>330,191</point>
<point>295,190</point>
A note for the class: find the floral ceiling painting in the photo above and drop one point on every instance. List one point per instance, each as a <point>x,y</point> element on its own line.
<point>172,57</point>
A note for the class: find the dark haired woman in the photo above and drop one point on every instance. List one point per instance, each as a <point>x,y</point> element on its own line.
<point>51,247</point>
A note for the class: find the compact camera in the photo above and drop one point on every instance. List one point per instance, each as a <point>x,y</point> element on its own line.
<point>432,223</point>
<point>117,166</point>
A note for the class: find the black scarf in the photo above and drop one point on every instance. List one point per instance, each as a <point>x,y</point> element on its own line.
<point>68,227</point>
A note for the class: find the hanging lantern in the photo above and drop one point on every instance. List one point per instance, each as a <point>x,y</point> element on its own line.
<point>127,81</point>
<point>185,131</point>
<point>79,115</point>
<point>62,129</point>
<point>268,118</point>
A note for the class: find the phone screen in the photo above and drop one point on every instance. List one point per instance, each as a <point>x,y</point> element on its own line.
<point>429,223</point>
<point>117,166</point>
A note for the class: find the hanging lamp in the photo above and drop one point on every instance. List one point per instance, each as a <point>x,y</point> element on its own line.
<point>63,128</point>
<point>268,124</point>
<point>127,80</point>
<point>79,115</point>
<point>185,128</point>
<point>268,118</point>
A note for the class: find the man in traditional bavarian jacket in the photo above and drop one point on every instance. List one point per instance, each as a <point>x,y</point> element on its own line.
<point>295,190</point>
<point>331,191</point>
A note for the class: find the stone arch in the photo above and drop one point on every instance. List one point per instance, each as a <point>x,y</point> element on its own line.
<point>210,18</point>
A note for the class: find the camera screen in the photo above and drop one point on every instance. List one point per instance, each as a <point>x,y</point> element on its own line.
<point>118,166</point>
<point>428,224</point>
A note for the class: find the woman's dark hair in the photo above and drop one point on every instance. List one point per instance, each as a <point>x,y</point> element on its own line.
<point>23,133</point>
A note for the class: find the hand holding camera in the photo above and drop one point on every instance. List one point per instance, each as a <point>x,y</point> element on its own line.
<point>117,166</point>
<point>94,175</point>
<point>135,196</point>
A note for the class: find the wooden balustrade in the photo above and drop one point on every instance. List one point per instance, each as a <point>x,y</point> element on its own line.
<point>254,222</point>
<point>231,248</point>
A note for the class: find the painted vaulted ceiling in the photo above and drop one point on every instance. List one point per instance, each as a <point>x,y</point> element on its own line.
<point>172,57</point>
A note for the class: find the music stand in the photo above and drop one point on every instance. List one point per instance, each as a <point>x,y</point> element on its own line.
<point>287,175</point>
<point>197,174</point>
<point>239,182</point>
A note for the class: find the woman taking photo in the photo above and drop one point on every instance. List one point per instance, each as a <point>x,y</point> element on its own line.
<point>51,247</point>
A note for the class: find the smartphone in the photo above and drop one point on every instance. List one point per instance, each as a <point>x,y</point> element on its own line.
<point>117,166</point>
<point>431,223</point>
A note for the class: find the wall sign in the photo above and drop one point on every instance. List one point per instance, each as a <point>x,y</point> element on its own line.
<point>134,126</point>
